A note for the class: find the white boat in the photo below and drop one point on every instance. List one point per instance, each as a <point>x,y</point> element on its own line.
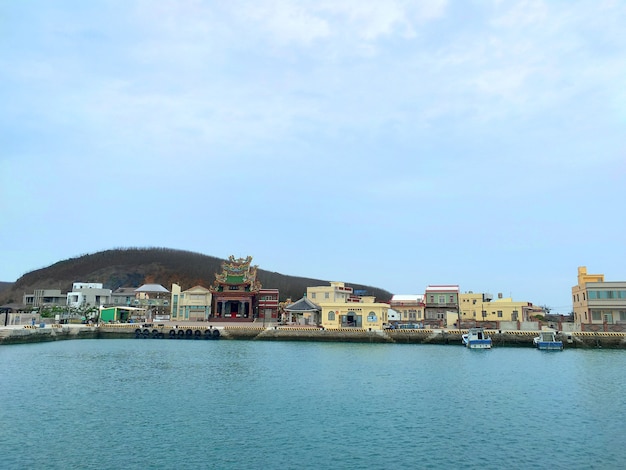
<point>476,338</point>
<point>547,341</point>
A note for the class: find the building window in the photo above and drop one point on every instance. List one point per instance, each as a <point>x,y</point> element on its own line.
<point>622,315</point>
<point>432,299</point>
<point>584,296</point>
<point>499,313</point>
<point>442,299</point>
<point>312,295</point>
<point>326,295</point>
<point>451,299</point>
<point>596,315</point>
<point>331,316</point>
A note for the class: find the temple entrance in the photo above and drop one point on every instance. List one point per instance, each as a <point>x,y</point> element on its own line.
<point>234,309</point>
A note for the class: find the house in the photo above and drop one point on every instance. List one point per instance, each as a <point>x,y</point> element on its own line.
<point>190,305</point>
<point>341,307</point>
<point>88,294</point>
<point>480,307</point>
<point>43,297</point>
<point>599,304</point>
<point>155,299</point>
<point>410,307</point>
<point>439,301</point>
<point>123,296</point>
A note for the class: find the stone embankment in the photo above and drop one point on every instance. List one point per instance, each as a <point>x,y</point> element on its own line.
<point>32,334</point>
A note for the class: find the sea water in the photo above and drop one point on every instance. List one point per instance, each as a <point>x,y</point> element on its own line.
<point>181,404</point>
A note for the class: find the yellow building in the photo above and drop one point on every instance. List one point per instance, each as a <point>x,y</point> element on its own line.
<point>480,307</point>
<point>341,308</point>
<point>354,314</point>
<point>336,292</point>
<point>190,305</point>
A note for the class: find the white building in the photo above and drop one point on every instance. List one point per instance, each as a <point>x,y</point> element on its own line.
<point>88,294</point>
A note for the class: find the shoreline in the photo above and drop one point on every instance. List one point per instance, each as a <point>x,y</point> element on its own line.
<point>24,334</point>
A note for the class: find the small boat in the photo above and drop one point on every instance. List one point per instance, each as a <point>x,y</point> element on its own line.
<point>476,338</point>
<point>547,341</point>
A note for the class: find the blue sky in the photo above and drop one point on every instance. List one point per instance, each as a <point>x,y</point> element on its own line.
<point>389,143</point>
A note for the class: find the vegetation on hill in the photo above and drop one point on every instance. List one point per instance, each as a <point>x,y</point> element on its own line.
<point>132,267</point>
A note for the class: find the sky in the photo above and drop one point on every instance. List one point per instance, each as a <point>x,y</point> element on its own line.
<point>390,143</point>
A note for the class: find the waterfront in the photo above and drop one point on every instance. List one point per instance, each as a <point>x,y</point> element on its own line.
<point>255,404</point>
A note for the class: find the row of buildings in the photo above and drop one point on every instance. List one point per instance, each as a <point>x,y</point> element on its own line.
<point>236,295</point>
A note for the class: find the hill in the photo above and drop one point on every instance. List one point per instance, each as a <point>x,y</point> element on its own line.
<point>132,267</point>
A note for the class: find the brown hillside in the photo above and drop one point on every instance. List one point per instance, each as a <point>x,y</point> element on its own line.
<point>132,267</point>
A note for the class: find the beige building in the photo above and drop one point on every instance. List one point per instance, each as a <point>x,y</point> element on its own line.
<point>190,305</point>
<point>341,308</point>
<point>481,307</point>
<point>336,292</point>
<point>368,314</point>
<point>410,307</point>
<point>596,301</point>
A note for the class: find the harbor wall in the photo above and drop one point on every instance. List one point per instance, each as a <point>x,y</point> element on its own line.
<point>501,338</point>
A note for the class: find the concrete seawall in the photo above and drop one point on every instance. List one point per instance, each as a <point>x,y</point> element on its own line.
<point>28,334</point>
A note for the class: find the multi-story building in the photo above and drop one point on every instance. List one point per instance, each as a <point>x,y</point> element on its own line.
<point>235,290</point>
<point>44,297</point>
<point>440,301</point>
<point>597,301</point>
<point>190,305</point>
<point>480,307</point>
<point>342,308</point>
<point>88,294</point>
<point>336,292</point>
<point>123,296</point>
<point>154,298</point>
<point>267,305</point>
<point>410,307</point>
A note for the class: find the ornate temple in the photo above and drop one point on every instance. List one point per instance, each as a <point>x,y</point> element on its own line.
<point>235,291</point>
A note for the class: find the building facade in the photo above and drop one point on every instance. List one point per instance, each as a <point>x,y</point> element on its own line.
<point>366,314</point>
<point>335,292</point>
<point>88,294</point>
<point>409,307</point>
<point>480,307</point>
<point>190,305</point>
<point>267,305</point>
<point>235,290</point>
<point>439,302</point>
<point>598,302</point>
<point>155,299</point>
<point>44,297</point>
<point>123,296</point>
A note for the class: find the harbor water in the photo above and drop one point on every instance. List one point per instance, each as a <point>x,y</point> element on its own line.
<point>137,404</point>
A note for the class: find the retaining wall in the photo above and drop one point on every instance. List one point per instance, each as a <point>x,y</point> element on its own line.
<point>585,339</point>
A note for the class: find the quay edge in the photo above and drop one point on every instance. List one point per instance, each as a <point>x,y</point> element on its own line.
<point>28,334</point>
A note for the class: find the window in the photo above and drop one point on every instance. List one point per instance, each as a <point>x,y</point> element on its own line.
<point>441,299</point>
<point>451,299</point>
<point>312,295</point>
<point>326,295</point>
<point>432,299</point>
<point>499,313</point>
<point>596,315</point>
<point>622,315</point>
<point>331,316</point>
<point>584,296</point>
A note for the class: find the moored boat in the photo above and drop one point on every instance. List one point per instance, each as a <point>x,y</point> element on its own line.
<point>547,341</point>
<point>476,338</point>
